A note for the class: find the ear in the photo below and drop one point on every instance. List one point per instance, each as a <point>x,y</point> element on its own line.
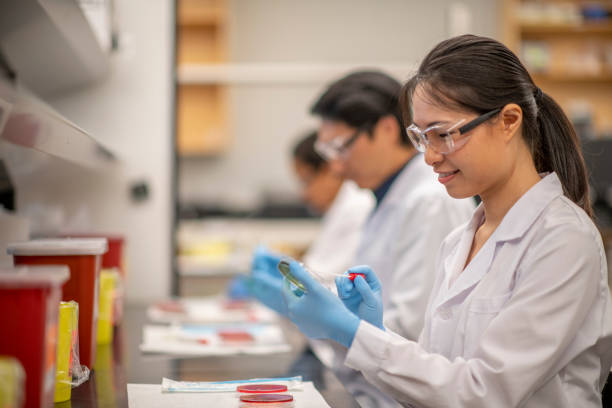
<point>511,119</point>
<point>388,126</point>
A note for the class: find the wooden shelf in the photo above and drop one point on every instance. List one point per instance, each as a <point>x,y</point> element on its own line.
<point>201,16</point>
<point>201,120</point>
<point>566,49</point>
<point>201,111</point>
<point>604,28</point>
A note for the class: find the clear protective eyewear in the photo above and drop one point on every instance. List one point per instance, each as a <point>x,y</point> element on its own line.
<point>444,139</point>
<point>336,147</point>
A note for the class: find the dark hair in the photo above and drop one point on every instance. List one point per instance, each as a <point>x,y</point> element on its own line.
<point>361,99</point>
<point>305,152</point>
<point>480,74</point>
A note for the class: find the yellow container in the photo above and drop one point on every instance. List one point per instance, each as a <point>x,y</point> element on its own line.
<point>68,324</point>
<point>12,382</point>
<point>108,279</point>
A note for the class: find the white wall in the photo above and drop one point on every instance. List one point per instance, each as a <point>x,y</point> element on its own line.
<point>129,112</point>
<point>267,118</point>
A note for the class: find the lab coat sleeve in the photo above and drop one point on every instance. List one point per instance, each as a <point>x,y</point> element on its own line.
<point>427,219</point>
<point>522,348</point>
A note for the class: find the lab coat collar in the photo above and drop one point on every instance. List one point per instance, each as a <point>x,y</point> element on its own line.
<point>524,212</point>
<point>514,225</point>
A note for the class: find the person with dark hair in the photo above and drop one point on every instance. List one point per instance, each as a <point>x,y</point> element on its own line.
<point>363,138</point>
<point>520,314</point>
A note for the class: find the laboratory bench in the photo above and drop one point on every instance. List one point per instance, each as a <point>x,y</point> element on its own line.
<point>121,362</point>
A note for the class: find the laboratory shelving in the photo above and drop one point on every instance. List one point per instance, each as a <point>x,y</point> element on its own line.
<point>201,111</point>
<point>567,47</point>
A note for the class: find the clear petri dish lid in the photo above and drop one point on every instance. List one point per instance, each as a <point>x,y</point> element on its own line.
<point>63,246</point>
<point>34,276</point>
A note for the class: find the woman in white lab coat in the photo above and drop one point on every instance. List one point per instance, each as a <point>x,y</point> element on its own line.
<point>520,314</point>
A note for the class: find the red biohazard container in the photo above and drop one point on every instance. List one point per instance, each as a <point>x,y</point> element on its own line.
<point>82,256</point>
<point>112,259</point>
<point>29,308</point>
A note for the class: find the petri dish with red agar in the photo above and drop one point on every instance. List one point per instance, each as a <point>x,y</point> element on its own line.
<point>266,400</point>
<point>261,388</point>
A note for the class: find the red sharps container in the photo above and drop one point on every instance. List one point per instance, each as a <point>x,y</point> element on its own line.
<point>82,256</point>
<point>112,259</point>
<point>29,308</point>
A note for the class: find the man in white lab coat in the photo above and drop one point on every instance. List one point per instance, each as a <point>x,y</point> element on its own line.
<point>362,137</point>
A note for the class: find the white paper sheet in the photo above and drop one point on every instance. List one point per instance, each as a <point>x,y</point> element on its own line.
<point>184,340</point>
<point>211,309</point>
<point>150,396</point>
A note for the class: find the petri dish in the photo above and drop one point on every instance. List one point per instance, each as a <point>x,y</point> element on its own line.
<point>261,388</point>
<point>285,270</point>
<point>235,336</point>
<point>266,398</point>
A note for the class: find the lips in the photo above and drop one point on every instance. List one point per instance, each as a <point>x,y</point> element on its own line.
<point>448,173</point>
<point>445,177</point>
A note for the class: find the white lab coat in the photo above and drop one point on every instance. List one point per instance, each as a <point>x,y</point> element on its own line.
<point>333,250</point>
<point>401,239</point>
<point>528,323</point>
<point>400,243</point>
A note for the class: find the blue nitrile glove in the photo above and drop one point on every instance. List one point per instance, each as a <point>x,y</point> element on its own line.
<point>318,312</point>
<point>266,261</point>
<point>362,296</point>
<point>268,290</point>
<point>266,282</point>
<point>238,288</point>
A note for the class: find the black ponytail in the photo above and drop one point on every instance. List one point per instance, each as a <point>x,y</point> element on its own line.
<point>560,152</point>
<point>480,74</point>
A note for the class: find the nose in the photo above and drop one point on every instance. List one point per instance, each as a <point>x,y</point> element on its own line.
<point>432,157</point>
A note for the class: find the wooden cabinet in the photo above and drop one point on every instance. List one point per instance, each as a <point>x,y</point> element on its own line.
<point>201,111</point>
<point>567,47</point>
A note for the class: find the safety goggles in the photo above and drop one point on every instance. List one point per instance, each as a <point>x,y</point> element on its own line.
<point>336,147</point>
<point>446,139</point>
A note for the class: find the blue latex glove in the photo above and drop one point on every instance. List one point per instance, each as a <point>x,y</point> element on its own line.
<point>319,313</point>
<point>362,296</point>
<point>238,288</point>
<point>268,290</point>
<point>266,282</point>
<point>265,260</point>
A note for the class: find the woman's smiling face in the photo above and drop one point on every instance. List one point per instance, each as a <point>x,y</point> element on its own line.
<point>480,164</point>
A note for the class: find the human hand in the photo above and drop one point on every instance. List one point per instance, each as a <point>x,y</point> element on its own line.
<point>266,261</point>
<point>318,312</point>
<point>362,296</point>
